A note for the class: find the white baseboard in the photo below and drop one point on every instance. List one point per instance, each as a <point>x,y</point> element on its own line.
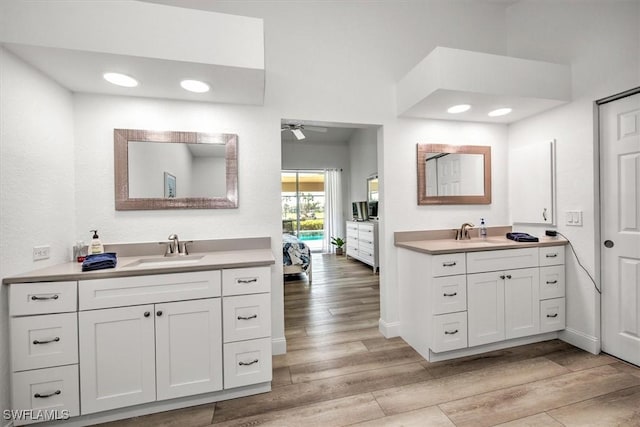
<point>278,345</point>
<point>581,340</point>
<point>389,329</point>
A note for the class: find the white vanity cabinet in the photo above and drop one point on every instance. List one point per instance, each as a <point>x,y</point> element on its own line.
<point>247,326</point>
<point>362,242</point>
<point>160,350</point>
<point>44,349</point>
<point>452,304</point>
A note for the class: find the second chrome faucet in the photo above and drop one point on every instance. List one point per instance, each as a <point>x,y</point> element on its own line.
<point>463,232</point>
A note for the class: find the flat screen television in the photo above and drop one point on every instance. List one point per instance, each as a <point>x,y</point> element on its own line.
<point>360,211</point>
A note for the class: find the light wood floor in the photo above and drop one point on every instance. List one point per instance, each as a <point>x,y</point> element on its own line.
<point>340,371</point>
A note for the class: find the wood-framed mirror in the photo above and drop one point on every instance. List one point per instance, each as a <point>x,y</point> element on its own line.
<point>175,170</point>
<point>454,174</point>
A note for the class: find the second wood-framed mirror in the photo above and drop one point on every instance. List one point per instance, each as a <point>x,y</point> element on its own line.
<point>454,174</point>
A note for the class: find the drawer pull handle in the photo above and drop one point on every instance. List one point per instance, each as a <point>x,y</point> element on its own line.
<point>255,279</point>
<point>37,298</point>
<point>552,282</point>
<point>147,314</point>
<point>56,339</point>
<point>44,396</point>
<point>450,295</point>
<point>253,316</point>
<point>449,264</point>
<point>451,332</point>
<point>159,312</point>
<point>551,255</point>
<point>502,276</point>
<point>508,276</point>
<point>552,315</point>
<point>248,363</point>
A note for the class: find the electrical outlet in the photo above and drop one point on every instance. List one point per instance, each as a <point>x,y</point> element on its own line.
<point>41,252</point>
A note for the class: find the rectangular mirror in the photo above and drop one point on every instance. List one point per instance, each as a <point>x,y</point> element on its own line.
<point>454,174</point>
<point>175,170</point>
<point>372,188</point>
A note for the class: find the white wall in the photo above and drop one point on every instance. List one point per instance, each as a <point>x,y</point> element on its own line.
<point>601,41</point>
<point>37,176</point>
<point>363,154</point>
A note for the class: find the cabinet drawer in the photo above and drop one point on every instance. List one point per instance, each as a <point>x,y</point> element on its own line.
<point>51,389</point>
<point>352,227</point>
<point>448,264</point>
<point>126,291</point>
<point>42,298</point>
<point>449,294</point>
<point>247,362</point>
<point>552,282</point>
<point>502,259</point>
<point>246,317</point>
<point>352,250</point>
<point>552,315</point>
<point>449,332</point>
<point>44,341</point>
<point>239,281</point>
<point>551,255</point>
<point>365,232</point>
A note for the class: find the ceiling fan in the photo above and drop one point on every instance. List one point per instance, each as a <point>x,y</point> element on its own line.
<point>297,128</point>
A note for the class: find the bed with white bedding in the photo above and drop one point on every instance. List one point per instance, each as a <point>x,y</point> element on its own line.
<point>296,256</point>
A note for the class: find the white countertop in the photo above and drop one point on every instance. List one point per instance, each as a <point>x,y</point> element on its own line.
<point>448,246</point>
<point>210,261</point>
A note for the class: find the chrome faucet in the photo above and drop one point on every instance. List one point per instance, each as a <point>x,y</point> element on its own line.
<point>174,245</point>
<point>463,233</point>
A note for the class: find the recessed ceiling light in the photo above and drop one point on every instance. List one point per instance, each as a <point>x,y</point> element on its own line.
<point>500,112</point>
<point>194,86</point>
<point>120,79</point>
<point>458,108</point>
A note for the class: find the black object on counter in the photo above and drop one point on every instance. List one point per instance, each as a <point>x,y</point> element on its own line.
<point>100,261</point>
<point>522,237</point>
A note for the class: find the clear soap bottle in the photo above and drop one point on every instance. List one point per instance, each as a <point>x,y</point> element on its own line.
<point>482,229</point>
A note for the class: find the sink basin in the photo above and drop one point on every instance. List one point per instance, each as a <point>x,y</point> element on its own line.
<point>165,261</point>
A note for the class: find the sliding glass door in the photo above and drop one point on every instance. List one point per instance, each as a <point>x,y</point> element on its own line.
<point>303,206</point>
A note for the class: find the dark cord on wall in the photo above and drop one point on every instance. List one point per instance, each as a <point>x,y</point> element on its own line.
<point>580,264</point>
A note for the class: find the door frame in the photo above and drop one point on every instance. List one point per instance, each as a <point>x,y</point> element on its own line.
<point>598,167</point>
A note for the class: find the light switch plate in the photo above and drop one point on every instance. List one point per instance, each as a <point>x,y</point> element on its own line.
<point>573,218</point>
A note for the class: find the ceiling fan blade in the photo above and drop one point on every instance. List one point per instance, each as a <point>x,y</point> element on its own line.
<point>315,129</point>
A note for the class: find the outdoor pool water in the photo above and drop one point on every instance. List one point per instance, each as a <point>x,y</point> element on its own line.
<point>311,235</point>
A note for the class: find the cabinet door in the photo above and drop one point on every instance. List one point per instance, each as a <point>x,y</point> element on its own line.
<point>188,348</point>
<point>485,294</point>
<point>117,358</point>
<point>522,302</point>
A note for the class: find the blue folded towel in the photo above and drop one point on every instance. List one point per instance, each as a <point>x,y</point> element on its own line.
<point>100,261</point>
<point>522,237</point>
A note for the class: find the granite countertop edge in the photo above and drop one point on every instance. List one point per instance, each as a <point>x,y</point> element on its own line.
<point>449,246</point>
<point>72,271</point>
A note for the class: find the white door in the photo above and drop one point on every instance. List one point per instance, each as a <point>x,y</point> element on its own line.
<point>188,348</point>
<point>117,358</point>
<point>485,294</point>
<point>620,224</point>
<point>522,302</point>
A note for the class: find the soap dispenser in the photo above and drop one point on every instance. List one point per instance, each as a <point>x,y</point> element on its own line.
<point>482,229</point>
<point>96,246</point>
